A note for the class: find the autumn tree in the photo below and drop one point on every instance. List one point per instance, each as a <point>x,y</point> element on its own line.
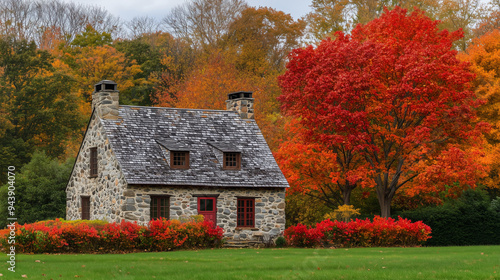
<point>262,38</point>
<point>38,108</point>
<point>203,23</point>
<point>490,20</point>
<point>92,58</point>
<point>326,173</point>
<point>329,16</point>
<point>177,61</point>
<point>484,56</point>
<point>393,91</point>
<point>460,14</point>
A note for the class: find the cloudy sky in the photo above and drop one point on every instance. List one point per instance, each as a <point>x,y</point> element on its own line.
<point>128,9</point>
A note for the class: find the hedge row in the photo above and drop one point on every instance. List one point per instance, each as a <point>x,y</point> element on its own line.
<point>471,220</point>
<point>59,236</point>
<point>359,233</point>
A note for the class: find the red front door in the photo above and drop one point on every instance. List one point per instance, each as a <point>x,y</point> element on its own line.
<point>207,206</point>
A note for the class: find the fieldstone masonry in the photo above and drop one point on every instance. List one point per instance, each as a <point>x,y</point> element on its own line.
<point>105,100</point>
<point>241,102</point>
<point>105,190</point>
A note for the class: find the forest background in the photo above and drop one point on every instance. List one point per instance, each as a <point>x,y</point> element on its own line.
<point>53,52</point>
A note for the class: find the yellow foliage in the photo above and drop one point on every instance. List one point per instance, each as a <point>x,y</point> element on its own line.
<point>343,213</point>
<point>192,218</point>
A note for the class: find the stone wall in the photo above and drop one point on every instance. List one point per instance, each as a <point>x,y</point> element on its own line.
<point>105,190</point>
<point>269,207</point>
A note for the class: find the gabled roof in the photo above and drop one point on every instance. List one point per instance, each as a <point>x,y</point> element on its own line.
<point>140,133</point>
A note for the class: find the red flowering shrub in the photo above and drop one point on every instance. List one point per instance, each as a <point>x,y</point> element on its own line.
<point>359,233</point>
<point>163,235</point>
<point>97,236</point>
<point>302,236</point>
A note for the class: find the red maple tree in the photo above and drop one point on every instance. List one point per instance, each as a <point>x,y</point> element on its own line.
<point>393,92</point>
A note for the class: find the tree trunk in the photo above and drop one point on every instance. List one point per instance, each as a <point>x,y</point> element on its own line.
<point>385,207</point>
<point>346,195</point>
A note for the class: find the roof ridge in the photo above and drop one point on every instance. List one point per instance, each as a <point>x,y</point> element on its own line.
<point>171,108</point>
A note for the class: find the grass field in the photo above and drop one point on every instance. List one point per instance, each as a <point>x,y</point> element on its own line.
<point>479,262</point>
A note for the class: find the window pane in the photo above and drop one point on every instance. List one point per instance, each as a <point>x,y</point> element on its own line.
<point>246,209</point>
<point>159,207</point>
<point>202,205</point>
<point>179,159</point>
<point>154,208</point>
<point>210,205</point>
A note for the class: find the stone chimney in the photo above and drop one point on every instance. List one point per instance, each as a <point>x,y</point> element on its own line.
<point>105,99</point>
<point>241,102</point>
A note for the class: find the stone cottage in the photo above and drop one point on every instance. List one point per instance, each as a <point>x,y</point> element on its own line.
<point>139,163</point>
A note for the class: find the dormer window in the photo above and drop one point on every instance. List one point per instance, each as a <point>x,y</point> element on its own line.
<point>179,160</point>
<point>232,160</point>
<point>176,153</point>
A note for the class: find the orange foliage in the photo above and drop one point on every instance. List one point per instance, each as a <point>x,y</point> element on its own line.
<point>484,58</point>
<point>322,172</point>
<point>465,166</point>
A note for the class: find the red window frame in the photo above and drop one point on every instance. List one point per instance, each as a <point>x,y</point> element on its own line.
<point>85,200</point>
<point>245,212</point>
<point>157,210</point>
<point>93,162</point>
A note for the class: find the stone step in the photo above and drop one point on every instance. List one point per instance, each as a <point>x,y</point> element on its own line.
<point>241,243</point>
<point>236,246</point>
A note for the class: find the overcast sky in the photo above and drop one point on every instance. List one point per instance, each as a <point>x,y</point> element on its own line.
<point>128,9</point>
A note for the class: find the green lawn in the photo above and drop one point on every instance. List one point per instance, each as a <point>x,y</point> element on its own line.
<point>479,262</point>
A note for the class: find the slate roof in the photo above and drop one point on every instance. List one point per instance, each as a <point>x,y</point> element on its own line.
<point>140,134</point>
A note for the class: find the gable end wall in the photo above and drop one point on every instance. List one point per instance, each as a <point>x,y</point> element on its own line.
<point>105,190</point>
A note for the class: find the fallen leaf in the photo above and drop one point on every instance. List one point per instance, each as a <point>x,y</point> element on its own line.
<point>319,268</point>
<point>83,265</point>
